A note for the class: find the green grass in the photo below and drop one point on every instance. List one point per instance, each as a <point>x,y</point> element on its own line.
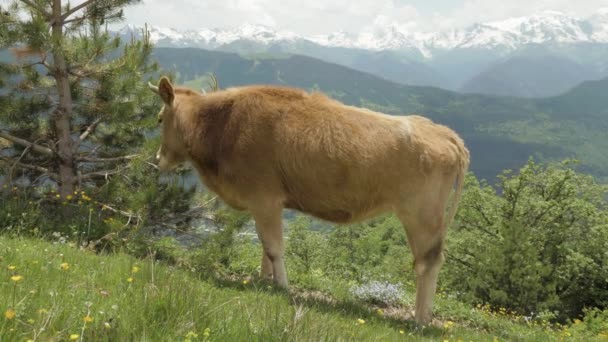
<point>131,299</point>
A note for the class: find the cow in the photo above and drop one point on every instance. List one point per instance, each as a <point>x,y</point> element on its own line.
<point>264,148</point>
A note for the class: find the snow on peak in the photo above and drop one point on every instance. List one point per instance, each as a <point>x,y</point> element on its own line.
<point>544,27</point>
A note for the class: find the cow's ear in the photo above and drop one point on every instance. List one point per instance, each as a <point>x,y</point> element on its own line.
<point>165,90</point>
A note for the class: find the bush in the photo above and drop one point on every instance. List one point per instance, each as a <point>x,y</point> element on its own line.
<point>541,245</point>
<point>305,247</point>
<point>110,214</point>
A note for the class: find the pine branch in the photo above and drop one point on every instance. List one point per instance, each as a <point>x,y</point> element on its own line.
<point>36,7</point>
<point>35,147</point>
<point>77,19</point>
<point>106,160</point>
<point>100,174</point>
<point>76,9</point>
<point>30,167</point>
<point>12,169</point>
<point>86,133</point>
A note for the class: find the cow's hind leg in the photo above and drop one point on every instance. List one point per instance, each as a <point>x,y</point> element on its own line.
<point>268,223</point>
<point>424,221</point>
<point>425,238</point>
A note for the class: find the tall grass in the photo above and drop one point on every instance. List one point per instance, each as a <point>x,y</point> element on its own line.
<point>56,292</point>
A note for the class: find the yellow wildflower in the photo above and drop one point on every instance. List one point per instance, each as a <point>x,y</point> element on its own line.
<point>58,196</point>
<point>42,311</point>
<point>360,321</point>
<point>401,332</point>
<point>191,334</point>
<point>380,312</point>
<point>107,325</point>
<point>68,197</point>
<point>245,282</point>
<point>130,280</point>
<point>74,337</point>
<point>135,269</point>
<point>31,321</point>
<point>207,332</point>
<point>87,319</point>
<point>11,267</point>
<point>10,314</point>
<point>64,266</point>
<point>17,278</point>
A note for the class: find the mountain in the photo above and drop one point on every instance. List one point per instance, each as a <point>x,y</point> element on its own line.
<point>501,132</point>
<point>459,59</point>
<point>530,76</point>
<point>549,27</point>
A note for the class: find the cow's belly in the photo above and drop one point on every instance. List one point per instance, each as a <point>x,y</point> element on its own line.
<point>338,209</point>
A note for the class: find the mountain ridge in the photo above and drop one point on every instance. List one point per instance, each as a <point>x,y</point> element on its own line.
<point>549,27</point>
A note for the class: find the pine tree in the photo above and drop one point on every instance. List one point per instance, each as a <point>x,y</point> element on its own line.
<point>73,104</point>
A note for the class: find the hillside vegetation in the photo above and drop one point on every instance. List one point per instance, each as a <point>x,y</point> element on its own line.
<point>58,292</point>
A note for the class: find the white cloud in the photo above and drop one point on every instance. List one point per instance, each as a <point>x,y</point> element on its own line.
<point>488,10</point>
<point>321,16</point>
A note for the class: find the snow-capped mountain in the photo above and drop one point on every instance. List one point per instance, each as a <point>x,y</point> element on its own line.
<point>211,38</point>
<point>549,27</point>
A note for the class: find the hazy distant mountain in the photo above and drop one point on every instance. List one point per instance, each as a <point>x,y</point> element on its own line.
<point>473,58</point>
<point>530,76</point>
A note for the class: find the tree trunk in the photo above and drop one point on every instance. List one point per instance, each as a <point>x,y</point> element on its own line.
<point>63,113</point>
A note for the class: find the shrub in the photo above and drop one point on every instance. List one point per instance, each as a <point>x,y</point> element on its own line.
<point>537,243</point>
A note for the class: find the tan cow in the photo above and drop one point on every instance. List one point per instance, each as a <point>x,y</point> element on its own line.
<point>266,148</point>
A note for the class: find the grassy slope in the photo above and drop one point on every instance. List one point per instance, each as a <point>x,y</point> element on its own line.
<point>162,303</point>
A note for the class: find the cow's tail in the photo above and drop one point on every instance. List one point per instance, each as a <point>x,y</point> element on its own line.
<point>463,166</point>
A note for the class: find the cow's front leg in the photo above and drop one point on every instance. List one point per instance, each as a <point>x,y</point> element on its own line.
<point>269,225</point>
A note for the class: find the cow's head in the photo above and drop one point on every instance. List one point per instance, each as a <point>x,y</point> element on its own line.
<point>172,151</point>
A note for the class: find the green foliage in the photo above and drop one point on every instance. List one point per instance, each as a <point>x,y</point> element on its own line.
<point>75,106</point>
<point>42,212</point>
<point>375,250</point>
<point>305,249</point>
<point>220,249</point>
<point>539,246</point>
<point>594,321</point>
<point>63,291</point>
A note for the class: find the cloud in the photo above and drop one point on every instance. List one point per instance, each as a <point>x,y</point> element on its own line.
<point>489,10</point>
<point>321,16</point>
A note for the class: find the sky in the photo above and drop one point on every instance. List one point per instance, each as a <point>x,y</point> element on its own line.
<point>310,17</point>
